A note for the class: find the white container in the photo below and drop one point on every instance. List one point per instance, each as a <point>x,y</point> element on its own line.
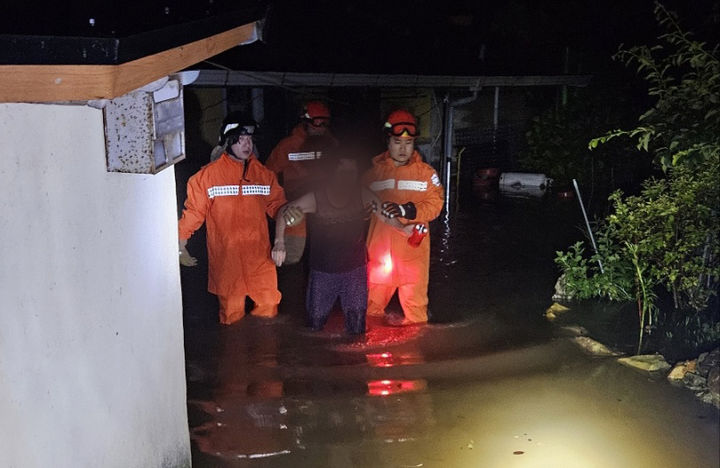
<point>524,184</point>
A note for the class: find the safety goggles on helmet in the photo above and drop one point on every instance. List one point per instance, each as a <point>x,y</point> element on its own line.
<point>319,121</point>
<point>237,129</point>
<point>402,129</point>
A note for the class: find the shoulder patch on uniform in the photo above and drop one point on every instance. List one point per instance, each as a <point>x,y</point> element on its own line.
<point>435,179</point>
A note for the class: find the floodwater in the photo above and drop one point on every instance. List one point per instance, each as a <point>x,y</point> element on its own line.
<point>488,384</point>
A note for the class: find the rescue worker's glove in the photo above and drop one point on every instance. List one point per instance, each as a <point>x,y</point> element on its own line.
<point>185,258</point>
<point>293,216</point>
<point>394,210</point>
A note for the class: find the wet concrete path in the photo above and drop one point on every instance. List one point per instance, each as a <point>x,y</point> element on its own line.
<point>489,384</point>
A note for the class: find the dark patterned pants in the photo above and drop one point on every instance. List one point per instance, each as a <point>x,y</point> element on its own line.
<point>325,288</point>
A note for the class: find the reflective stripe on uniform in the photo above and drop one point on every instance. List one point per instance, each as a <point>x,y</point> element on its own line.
<point>256,190</point>
<point>305,156</point>
<point>415,185</point>
<point>378,185</point>
<point>223,191</point>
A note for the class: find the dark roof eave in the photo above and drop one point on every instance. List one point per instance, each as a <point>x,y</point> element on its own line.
<point>66,50</point>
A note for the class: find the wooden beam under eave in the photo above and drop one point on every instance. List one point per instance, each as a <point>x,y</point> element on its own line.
<point>47,83</point>
<point>148,69</point>
<point>50,83</point>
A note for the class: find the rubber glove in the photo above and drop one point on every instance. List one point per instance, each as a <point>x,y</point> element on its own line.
<point>394,210</point>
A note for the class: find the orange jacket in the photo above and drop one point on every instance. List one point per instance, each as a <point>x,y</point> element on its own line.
<point>293,161</point>
<point>235,207</point>
<point>415,182</point>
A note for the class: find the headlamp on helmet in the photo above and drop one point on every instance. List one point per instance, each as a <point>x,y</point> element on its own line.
<point>316,114</point>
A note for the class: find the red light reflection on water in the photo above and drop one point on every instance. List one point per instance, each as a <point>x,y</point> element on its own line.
<point>380,359</point>
<point>394,387</point>
<point>387,359</point>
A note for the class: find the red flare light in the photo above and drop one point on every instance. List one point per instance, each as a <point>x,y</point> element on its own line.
<point>387,264</point>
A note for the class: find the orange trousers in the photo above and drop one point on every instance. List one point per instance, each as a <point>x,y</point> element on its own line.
<point>413,299</point>
<point>232,308</point>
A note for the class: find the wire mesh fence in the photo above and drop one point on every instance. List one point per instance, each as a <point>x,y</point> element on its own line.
<point>491,147</point>
<point>486,147</point>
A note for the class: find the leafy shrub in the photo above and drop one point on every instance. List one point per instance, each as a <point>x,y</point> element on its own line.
<point>583,278</point>
<point>669,233</point>
<point>674,225</point>
<point>684,75</point>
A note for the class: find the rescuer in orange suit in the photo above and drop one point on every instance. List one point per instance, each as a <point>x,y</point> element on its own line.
<point>234,195</point>
<point>294,159</point>
<point>411,192</point>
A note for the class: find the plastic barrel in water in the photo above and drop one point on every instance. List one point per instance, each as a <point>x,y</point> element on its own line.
<point>524,184</point>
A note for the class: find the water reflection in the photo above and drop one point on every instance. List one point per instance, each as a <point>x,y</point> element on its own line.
<point>261,407</point>
<point>389,411</point>
<point>394,387</point>
<point>382,337</point>
<point>389,359</point>
<point>246,417</point>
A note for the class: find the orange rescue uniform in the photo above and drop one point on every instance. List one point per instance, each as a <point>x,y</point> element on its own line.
<point>393,263</point>
<point>291,159</point>
<point>235,198</point>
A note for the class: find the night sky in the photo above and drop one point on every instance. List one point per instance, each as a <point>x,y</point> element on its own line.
<point>380,36</point>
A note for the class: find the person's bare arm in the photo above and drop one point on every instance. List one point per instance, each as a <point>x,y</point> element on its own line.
<point>290,215</point>
<point>185,258</point>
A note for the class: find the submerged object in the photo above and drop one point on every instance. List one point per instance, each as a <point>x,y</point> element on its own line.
<point>524,184</point>
<point>485,183</point>
<point>486,178</point>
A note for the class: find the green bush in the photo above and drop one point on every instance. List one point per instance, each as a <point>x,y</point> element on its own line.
<point>583,278</point>
<point>674,224</point>
<point>683,127</point>
<point>667,236</point>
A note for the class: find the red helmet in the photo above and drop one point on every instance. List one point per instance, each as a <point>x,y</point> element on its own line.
<point>401,123</point>
<point>317,113</point>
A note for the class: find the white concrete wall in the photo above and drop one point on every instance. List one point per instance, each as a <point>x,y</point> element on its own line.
<point>91,343</point>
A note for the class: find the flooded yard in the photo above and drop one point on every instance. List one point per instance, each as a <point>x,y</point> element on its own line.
<point>488,383</point>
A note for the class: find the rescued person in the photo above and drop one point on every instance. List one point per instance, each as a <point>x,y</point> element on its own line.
<point>337,221</point>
